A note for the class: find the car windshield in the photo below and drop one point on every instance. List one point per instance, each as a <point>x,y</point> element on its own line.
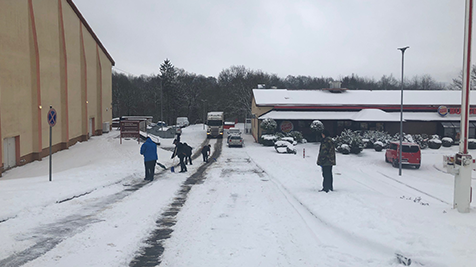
<point>235,137</point>
<point>215,123</point>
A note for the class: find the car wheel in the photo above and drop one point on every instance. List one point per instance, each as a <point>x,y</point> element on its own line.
<point>417,166</point>
<point>395,163</point>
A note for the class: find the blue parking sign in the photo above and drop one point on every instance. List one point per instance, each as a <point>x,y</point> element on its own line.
<point>52,117</point>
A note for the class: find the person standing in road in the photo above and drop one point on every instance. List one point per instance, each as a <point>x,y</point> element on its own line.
<point>188,153</point>
<point>149,151</point>
<point>180,153</point>
<point>206,153</point>
<point>326,159</point>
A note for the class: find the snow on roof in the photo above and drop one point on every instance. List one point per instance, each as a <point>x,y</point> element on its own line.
<point>270,97</point>
<point>362,115</point>
<point>373,114</point>
<point>307,115</point>
<point>433,116</point>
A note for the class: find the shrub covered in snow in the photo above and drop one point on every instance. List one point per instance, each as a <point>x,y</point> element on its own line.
<point>344,149</point>
<point>375,136</point>
<point>378,146</point>
<point>296,135</point>
<point>447,141</point>
<point>288,139</point>
<point>421,140</point>
<point>284,147</point>
<point>269,125</point>
<point>367,143</point>
<point>434,143</point>
<point>317,126</point>
<point>268,139</point>
<point>352,139</point>
<point>280,135</point>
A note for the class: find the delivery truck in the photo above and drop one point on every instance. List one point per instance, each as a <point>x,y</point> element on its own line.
<point>215,121</point>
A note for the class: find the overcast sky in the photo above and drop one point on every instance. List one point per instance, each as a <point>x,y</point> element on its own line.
<point>320,38</point>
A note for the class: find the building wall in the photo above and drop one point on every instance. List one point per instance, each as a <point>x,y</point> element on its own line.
<point>49,56</point>
<point>257,111</point>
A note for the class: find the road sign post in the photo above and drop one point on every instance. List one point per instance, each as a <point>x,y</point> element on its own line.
<point>52,122</point>
<point>130,129</point>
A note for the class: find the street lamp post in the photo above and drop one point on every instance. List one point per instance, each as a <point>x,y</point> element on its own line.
<point>204,101</point>
<point>401,114</point>
<point>161,102</point>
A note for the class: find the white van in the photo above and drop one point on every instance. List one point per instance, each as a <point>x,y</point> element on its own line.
<point>182,122</point>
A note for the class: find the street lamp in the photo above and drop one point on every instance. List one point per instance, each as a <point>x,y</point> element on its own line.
<point>401,114</point>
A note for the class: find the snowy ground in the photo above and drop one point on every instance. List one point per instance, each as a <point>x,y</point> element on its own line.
<point>251,207</point>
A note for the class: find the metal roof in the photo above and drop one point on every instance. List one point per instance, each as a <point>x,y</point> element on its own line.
<point>285,97</point>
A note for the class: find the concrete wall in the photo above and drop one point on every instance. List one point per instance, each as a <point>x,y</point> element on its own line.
<point>49,56</point>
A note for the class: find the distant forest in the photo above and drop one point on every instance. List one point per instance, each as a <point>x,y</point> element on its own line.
<point>175,92</point>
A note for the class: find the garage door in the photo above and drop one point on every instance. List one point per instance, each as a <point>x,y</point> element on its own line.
<point>9,152</point>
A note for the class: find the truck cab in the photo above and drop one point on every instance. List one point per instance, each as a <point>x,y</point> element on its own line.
<point>215,122</point>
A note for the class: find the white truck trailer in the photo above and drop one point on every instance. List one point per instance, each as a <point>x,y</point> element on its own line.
<point>215,122</point>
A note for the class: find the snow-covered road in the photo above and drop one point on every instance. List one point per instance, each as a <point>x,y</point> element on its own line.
<point>250,207</point>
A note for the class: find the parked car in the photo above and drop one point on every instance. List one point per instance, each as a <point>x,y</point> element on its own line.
<point>235,140</point>
<point>234,131</point>
<point>411,154</point>
<point>161,124</point>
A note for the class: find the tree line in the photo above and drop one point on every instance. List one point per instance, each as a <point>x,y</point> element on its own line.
<point>175,92</point>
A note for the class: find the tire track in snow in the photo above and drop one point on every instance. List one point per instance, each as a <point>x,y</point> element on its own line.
<point>149,255</point>
<point>49,236</point>
<point>315,223</point>
<point>414,188</point>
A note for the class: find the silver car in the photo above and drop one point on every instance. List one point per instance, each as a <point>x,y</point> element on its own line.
<point>235,140</point>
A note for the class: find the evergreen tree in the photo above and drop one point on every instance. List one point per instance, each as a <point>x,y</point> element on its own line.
<point>169,95</point>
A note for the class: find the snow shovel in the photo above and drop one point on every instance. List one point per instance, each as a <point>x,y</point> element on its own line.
<point>172,169</point>
<point>162,165</point>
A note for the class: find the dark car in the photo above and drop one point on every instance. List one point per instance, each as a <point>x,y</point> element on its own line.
<point>411,154</point>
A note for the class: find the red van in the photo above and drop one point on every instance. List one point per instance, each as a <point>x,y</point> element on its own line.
<point>411,154</point>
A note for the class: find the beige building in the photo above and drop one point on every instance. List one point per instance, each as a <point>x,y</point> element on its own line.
<point>49,56</point>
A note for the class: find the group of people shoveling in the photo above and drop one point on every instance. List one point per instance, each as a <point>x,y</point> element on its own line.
<point>326,158</point>
<point>182,150</point>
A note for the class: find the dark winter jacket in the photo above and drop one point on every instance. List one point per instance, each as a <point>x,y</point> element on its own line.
<point>179,150</point>
<point>327,153</point>
<point>149,150</point>
<point>187,149</point>
<point>205,150</point>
